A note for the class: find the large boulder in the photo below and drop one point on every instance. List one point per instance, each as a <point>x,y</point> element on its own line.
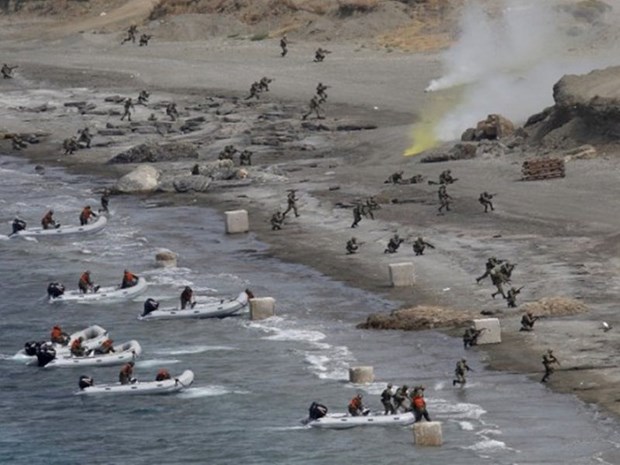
<point>421,317</point>
<point>153,153</point>
<point>494,127</point>
<point>142,179</point>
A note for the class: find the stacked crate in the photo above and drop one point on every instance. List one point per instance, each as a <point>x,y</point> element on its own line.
<point>543,168</point>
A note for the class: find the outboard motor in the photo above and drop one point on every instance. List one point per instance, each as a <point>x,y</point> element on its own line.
<point>45,354</point>
<point>18,225</point>
<point>249,293</point>
<point>55,290</point>
<point>86,381</point>
<point>150,306</point>
<point>317,411</point>
<point>31,348</point>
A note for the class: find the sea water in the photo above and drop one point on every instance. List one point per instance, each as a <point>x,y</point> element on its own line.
<point>254,380</point>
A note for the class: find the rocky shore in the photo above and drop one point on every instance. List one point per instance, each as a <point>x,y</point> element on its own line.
<point>562,233</point>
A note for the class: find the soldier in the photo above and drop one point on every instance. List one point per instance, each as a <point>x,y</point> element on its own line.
<point>471,335</point>
<point>143,97</point>
<point>320,54</point>
<point>548,360</point>
<point>284,45</point>
<point>444,198</point>
<point>277,219</point>
<point>485,201</point>
<point>131,34</point>
<point>85,137</point>
<point>320,92</point>
<point>491,263</point>
<point>352,246</point>
<point>314,106</point>
<point>152,117</point>
<point>506,270</point>
<point>511,296</point>
<point>395,178</point>
<point>370,205</point>
<point>446,177</point>
<point>394,244</point>
<point>228,153</point>
<point>386,400</point>
<point>245,158</point>
<point>418,404</point>
<point>18,143</point>
<point>263,84</point>
<point>498,279</point>
<point>128,106</point>
<point>292,203</point>
<point>254,91</point>
<point>416,179</point>
<point>105,201</point>
<point>459,371</point>
<point>7,71</point>
<point>70,145</point>
<point>527,322</point>
<point>171,111</point>
<point>144,40</point>
<point>420,244</point>
<point>399,397</point>
<point>357,214</point>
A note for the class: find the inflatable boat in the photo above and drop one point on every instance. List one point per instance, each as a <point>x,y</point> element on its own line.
<point>92,338</point>
<point>103,294</point>
<point>96,226</point>
<point>142,387</point>
<point>123,353</point>
<point>206,310</point>
<point>344,421</point>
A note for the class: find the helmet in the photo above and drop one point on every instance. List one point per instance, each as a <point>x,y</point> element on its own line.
<point>463,360</point>
<point>132,363</point>
<point>389,385</point>
<point>52,211</point>
<point>359,396</point>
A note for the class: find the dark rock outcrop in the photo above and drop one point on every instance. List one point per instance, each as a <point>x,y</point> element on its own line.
<point>153,153</point>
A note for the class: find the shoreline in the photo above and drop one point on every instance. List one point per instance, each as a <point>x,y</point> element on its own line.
<point>359,166</point>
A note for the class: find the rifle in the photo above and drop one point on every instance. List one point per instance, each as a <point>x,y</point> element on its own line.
<point>519,290</point>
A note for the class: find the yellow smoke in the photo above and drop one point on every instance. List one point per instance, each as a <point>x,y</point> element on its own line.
<point>424,134</point>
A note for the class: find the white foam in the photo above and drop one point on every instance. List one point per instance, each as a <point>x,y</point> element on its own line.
<point>155,363</point>
<point>204,391</point>
<point>466,425</point>
<point>487,445</point>
<point>191,350</point>
<point>295,335</point>
<point>458,410</point>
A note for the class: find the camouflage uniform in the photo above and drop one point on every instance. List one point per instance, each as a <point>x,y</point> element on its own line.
<point>276,221</point>
<point>485,201</point>
<point>144,40</point>
<point>420,244</point>
<point>444,198</point>
<point>70,145</point>
<point>292,203</point>
<point>386,400</point>
<point>459,371</point>
<point>470,337</point>
<point>320,54</point>
<point>357,215</point>
<point>263,84</point>
<point>394,244</point>
<point>85,137</point>
<point>320,92</point>
<point>131,34</point>
<point>283,46</point>
<point>254,91</point>
<point>171,111</point>
<point>527,322</point>
<point>7,71</point>
<point>352,246</point>
<point>143,97</point>
<point>245,158</point>
<point>314,106</point>
<point>128,106</point>
<point>548,360</point>
<point>395,178</point>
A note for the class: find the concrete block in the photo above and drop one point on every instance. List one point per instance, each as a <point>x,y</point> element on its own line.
<point>237,222</point>
<point>402,274</point>
<point>165,259</point>
<point>492,333</point>
<point>427,433</point>
<point>262,307</point>
<point>361,375</point>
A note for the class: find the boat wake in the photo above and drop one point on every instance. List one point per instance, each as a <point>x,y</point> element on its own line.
<point>192,350</point>
<point>156,363</point>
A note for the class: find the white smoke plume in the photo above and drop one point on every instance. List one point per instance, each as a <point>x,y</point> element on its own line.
<point>507,62</point>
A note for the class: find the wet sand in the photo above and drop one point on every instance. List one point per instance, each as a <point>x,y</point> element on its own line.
<point>561,233</point>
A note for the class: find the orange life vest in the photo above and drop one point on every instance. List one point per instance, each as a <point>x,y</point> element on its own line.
<point>47,219</point>
<point>76,344</point>
<point>107,343</point>
<point>419,403</point>
<point>127,369</point>
<point>86,213</point>
<point>162,375</point>
<point>129,277</point>
<point>85,278</point>
<point>56,333</point>
<point>355,403</point>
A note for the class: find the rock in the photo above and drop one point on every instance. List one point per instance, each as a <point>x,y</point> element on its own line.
<point>490,148</point>
<point>191,183</point>
<point>114,99</point>
<point>356,127</point>
<point>583,152</point>
<point>153,153</point>
<point>79,104</point>
<point>469,135</point>
<point>494,127</point>
<point>421,317</point>
<point>460,151</point>
<point>220,169</point>
<point>111,132</point>
<point>589,11</point>
<point>143,179</point>
<point>165,258</point>
<point>314,126</point>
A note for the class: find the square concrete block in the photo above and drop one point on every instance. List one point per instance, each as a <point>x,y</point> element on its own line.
<point>262,307</point>
<point>237,222</point>
<point>361,375</point>
<point>401,274</point>
<point>493,332</point>
<point>427,433</point>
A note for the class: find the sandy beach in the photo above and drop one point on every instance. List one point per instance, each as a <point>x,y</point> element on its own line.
<point>562,233</point>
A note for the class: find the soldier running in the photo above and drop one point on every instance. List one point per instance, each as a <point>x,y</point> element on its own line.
<point>171,111</point>
<point>254,91</point>
<point>444,198</point>
<point>491,263</point>
<point>459,371</point>
<point>131,34</point>
<point>395,178</point>
<point>18,143</point>
<point>128,106</point>
<point>314,106</point>
<point>263,84</point>
<point>320,92</point>
<point>292,202</point>
<point>548,360</point>
<point>485,200</point>
<point>284,46</point>
<point>277,219</point>
<point>352,246</point>
<point>7,71</point>
<point>446,177</point>
<point>420,244</point>
<point>357,214</point>
<point>85,137</point>
<point>394,244</point>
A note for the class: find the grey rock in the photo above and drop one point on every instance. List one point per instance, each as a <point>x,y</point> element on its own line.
<point>153,153</point>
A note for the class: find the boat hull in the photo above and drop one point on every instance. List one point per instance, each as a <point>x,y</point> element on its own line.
<point>143,388</point>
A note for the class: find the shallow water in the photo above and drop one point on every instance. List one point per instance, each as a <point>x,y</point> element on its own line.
<point>254,380</point>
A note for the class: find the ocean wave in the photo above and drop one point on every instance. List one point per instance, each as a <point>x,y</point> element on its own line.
<point>487,445</point>
<point>155,363</point>
<point>458,410</point>
<point>204,391</point>
<point>295,335</point>
<point>191,350</point>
